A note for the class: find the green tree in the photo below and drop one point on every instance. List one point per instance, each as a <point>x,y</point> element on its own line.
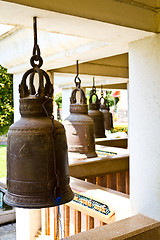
<point>110,98</point>
<point>58,99</point>
<point>6,100</point>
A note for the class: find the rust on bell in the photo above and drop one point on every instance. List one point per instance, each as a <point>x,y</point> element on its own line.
<point>79,126</point>
<point>37,157</point>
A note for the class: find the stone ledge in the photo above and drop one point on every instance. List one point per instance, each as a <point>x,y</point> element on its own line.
<point>7,216</point>
<point>137,227</point>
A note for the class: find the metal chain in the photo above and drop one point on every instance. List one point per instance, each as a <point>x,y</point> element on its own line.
<point>36,50</point>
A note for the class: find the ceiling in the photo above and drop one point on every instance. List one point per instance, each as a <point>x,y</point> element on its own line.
<point>93,31</point>
<point>139,14</point>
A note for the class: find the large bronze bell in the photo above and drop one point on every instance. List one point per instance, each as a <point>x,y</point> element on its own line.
<point>79,126</point>
<point>37,158</point>
<point>108,122</point>
<point>96,115</point>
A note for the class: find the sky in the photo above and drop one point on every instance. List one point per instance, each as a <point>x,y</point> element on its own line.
<point>4,28</point>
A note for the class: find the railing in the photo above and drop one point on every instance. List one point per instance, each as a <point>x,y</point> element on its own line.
<point>93,206</point>
<point>116,142</point>
<point>111,171</point>
<point>136,227</point>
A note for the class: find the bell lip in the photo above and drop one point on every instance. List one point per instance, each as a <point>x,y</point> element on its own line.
<point>67,196</point>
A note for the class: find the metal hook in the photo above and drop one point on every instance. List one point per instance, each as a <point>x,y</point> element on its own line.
<point>101,90</point>
<point>78,83</point>
<point>36,50</point>
<point>46,90</point>
<point>35,30</point>
<point>93,87</point>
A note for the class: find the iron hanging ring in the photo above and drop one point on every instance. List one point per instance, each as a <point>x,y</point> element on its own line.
<point>33,59</point>
<point>94,89</point>
<point>93,94</point>
<point>31,86</point>
<point>82,95</point>
<point>78,83</point>
<point>105,100</point>
<point>48,85</point>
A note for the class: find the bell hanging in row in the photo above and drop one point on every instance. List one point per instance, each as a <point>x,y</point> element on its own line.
<point>37,158</point>
<point>110,125</point>
<point>79,126</point>
<point>96,114</point>
<point>108,120</point>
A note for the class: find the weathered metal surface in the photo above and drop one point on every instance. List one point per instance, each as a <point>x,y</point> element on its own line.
<point>37,158</point>
<point>96,115</point>
<point>79,126</point>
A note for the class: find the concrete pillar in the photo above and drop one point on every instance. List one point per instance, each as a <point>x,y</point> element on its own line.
<point>66,94</point>
<point>144,125</point>
<point>28,222</point>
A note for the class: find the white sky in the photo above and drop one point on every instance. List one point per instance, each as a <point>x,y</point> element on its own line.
<point>5,28</point>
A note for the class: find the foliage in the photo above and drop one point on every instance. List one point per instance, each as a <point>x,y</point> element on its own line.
<point>58,99</point>
<point>87,95</point>
<point>110,98</point>
<point>3,161</point>
<point>116,100</point>
<point>6,100</point>
<point>120,129</point>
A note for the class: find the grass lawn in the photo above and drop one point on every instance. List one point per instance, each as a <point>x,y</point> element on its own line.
<point>3,172</point>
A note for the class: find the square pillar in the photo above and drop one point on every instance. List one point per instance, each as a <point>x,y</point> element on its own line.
<point>66,94</point>
<point>28,222</point>
<point>144,126</point>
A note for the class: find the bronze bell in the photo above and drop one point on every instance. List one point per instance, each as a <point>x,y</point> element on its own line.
<point>37,158</point>
<point>79,126</point>
<point>111,117</point>
<point>96,115</point>
<point>108,122</point>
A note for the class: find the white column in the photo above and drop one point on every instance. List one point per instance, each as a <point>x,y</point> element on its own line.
<point>28,222</point>
<point>17,78</point>
<point>144,125</point>
<point>66,94</point>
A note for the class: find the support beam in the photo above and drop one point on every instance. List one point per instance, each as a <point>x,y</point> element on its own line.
<point>116,66</point>
<point>134,14</point>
